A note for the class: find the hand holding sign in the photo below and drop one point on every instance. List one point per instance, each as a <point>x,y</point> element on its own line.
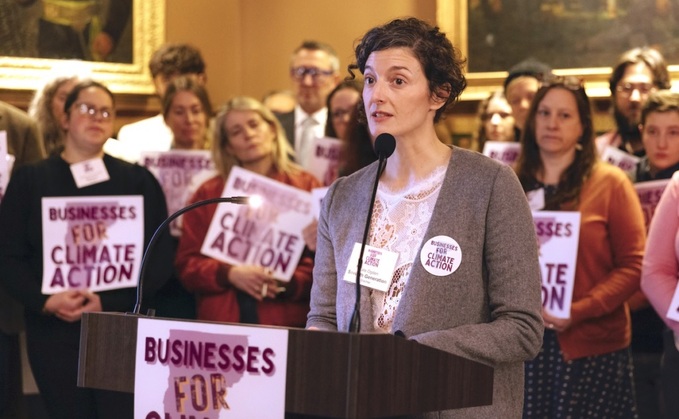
<point>555,323</point>
<point>256,281</point>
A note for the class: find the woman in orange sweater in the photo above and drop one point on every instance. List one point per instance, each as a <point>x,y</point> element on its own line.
<point>584,367</point>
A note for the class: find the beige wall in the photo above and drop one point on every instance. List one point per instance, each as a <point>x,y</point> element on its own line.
<point>247,43</point>
<point>247,46</point>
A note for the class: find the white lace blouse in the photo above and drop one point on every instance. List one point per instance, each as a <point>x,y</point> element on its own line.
<point>399,222</point>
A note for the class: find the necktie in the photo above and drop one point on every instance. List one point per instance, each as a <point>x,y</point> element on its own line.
<point>306,140</point>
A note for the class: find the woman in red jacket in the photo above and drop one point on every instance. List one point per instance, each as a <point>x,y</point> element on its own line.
<point>247,135</point>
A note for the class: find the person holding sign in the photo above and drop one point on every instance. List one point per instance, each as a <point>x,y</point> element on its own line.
<point>584,367</point>
<point>659,283</point>
<point>247,135</point>
<point>186,111</point>
<point>660,137</point>
<point>71,224</point>
<point>451,250</point>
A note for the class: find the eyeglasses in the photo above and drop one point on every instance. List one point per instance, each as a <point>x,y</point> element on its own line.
<point>92,111</point>
<point>626,89</point>
<point>298,73</point>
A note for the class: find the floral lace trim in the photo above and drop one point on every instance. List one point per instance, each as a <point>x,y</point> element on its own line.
<point>399,223</point>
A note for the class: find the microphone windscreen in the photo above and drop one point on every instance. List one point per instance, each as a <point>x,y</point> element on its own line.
<point>385,144</point>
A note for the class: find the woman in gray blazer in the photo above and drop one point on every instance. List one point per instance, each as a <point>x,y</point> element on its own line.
<point>466,278</point>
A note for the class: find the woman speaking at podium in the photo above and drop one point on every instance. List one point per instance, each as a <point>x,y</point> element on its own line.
<point>466,277</point>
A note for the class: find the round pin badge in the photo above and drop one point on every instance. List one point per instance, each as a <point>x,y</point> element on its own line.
<point>441,255</point>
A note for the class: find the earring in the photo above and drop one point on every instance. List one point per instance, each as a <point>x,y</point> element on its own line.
<point>578,147</point>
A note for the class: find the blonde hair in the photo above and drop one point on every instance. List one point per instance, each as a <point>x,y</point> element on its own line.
<point>40,110</point>
<point>224,160</point>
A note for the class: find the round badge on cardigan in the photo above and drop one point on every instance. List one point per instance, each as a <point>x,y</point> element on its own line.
<point>441,255</point>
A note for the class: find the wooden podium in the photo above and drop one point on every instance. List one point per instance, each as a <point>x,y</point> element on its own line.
<point>329,374</point>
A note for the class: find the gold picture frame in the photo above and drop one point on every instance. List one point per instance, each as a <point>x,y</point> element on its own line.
<point>148,33</point>
<point>452,18</point>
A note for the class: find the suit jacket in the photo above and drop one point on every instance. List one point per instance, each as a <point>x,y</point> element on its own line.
<point>488,310</point>
<point>25,144</point>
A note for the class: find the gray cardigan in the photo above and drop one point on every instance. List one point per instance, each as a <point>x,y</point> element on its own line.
<point>488,310</point>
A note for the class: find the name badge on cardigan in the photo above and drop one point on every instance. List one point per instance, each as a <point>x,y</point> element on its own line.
<point>441,255</point>
<point>89,172</point>
<point>377,269</point>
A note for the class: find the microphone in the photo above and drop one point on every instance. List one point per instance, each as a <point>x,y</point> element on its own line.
<point>240,200</point>
<point>385,144</point>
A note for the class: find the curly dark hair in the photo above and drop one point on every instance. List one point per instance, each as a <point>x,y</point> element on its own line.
<point>529,163</point>
<point>443,64</point>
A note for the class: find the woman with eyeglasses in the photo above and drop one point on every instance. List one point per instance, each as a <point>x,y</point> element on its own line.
<point>584,368</point>
<point>53,321</point>
<point>495,120</point>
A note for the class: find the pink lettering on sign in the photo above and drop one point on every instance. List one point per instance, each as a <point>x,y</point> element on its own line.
<point>85,259</point>
<point>249,240</point>
<point>554,286</point>
<point>202,368</point>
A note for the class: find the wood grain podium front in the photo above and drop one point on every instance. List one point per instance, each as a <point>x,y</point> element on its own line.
<point>328,373</point>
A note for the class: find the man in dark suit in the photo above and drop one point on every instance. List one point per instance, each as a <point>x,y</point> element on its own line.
<point>25,145</point>
<point>314,72</point>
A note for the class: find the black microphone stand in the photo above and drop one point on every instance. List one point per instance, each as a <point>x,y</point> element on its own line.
<point>384,146</point>
<point>241,200</point>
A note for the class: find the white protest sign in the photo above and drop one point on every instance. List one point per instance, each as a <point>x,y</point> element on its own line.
<point>503,151</point>
<point>269,236</point>
<point>318,194</point>
<point>557,233</point>
<point>93,242</point>
<point>324,162</point>
<point>649,196</point>
<point>673,310</point>
<point>180,173</point>
<point>625,161</point>
<point>209,371</point>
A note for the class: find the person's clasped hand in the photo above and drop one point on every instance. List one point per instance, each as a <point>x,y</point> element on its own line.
<point>70,305</point>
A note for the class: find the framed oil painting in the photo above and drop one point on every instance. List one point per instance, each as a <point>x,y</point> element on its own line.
<point>574,37</point>
<point>112,40</point>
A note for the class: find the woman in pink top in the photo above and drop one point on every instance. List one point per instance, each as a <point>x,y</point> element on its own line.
<point>659,282</point>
